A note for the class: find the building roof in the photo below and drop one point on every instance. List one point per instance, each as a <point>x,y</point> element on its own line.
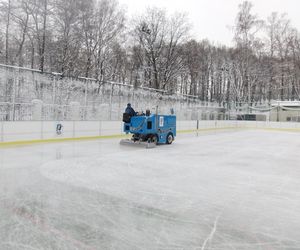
<point>285,104</point>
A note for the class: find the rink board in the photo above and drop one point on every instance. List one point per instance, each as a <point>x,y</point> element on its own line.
<point>26,132</point>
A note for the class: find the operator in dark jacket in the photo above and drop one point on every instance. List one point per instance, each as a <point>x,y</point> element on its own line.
<point>130,110</point>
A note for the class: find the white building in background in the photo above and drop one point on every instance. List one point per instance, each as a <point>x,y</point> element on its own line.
<point>285,111</point>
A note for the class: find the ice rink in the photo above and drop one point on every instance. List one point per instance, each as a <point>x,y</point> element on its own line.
<point>217,190</point>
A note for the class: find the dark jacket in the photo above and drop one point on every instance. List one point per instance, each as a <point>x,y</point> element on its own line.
<point>130,110</point>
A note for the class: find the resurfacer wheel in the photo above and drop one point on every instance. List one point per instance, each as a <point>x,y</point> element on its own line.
<point>154,139</point>
<point>170,138</point>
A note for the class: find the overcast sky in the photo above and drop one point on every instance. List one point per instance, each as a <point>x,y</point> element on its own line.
<point>212,19</point>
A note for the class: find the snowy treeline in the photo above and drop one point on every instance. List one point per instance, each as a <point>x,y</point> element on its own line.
<point>95,39</point>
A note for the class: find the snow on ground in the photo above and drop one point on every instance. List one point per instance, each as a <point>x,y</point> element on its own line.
<point>222,190</point>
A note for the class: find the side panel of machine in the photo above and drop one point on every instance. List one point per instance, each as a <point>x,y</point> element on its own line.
<point>142,124</point>
<point>166,125</point>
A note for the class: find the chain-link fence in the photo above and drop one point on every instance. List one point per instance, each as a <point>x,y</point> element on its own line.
<point>19,87</point>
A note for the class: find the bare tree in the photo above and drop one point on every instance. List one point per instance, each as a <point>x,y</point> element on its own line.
<point>109,20</point>
<point>87,27</point>
<point>177,32</point>
<point>92,39</point>
<point>69,37</point>
<point>39,11</point>
<point>246,29</point>
<point>271,26</point>
<point>6,9</point>
<point>160,37</point>
<point>21,17</point>
<point>150,35</point>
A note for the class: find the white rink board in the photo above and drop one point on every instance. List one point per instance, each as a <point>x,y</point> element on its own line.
<point>39,130</point>
<point>49,130</point>
<point>86,128</point>
<point>111,128</point>
<point>18,131</point>
<point>186,125</point>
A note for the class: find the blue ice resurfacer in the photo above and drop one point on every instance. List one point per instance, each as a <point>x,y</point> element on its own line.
<point>149,129</point>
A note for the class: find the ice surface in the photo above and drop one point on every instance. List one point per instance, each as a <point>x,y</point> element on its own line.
<point>225,190</point>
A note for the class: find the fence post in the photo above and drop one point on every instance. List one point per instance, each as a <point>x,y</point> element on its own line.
<point>100,128</point>
<point>110,99</point>
<point>85,99</point>
<point>73,134</point>
<point>104,112</point>
<point>2,131</point>
<point>74,111</point>
<point>54,97</point>
<point>14,97</point>
<point>37,109</point>
<point>42,130</point>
